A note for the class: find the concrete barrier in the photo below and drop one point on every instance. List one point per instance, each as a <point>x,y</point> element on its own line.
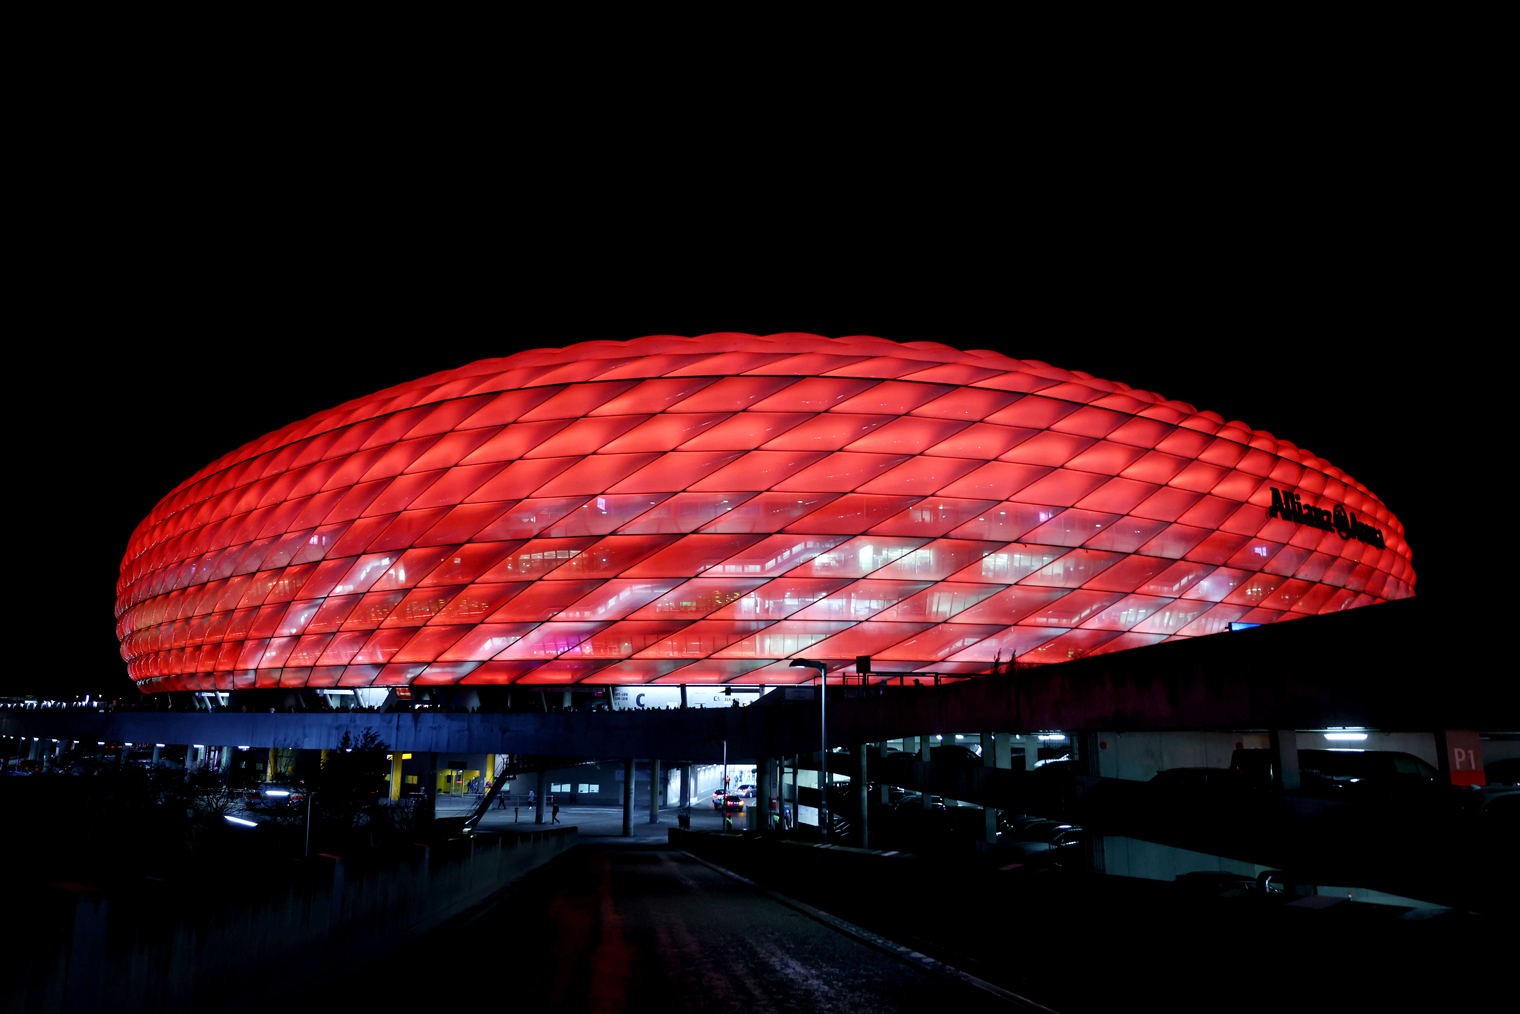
<point>234,945</point>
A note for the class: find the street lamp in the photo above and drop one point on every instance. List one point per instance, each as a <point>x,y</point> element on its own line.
<point>823,724</point>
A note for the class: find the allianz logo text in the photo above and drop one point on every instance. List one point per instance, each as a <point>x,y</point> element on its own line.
<point>1287,505</point>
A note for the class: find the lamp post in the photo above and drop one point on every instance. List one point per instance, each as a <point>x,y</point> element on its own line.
<point>823,724</point>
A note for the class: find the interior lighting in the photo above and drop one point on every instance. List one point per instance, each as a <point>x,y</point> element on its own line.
<point>240,820</point>
<point>277,792</point>
<point>517,477</point>
<point>1052,737</point>
<point>1345,737</point>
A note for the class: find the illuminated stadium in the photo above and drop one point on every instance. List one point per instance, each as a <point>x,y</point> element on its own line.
<point>701,510</point>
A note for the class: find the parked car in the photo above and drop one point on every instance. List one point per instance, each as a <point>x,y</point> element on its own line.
<point>1031,828</point>
<point>276,795</point>
<point>1337,769</point>
<point>950,753</point>
<point>916,799</point>
<point>747,790</point>
<point>1047,832</point>
<point>1201,780</point>
<point>1503,772</point>
<point>1210,882</point>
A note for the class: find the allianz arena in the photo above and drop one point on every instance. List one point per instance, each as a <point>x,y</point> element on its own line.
<point>701,510</point>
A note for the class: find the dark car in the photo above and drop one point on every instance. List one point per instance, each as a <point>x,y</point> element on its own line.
<point>1338,769</point>
<point>275,796</point>
<point>951,753</point>
<point>1050,832</point>
<point>1211,882</point>
<point>1503,772</point>
<point>915,799</point>
<point>1201,780</point>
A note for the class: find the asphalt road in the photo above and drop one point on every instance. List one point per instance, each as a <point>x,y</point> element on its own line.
<point>640,928</point>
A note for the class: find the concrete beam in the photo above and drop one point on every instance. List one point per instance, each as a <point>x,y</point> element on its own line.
<point>1354,668</point>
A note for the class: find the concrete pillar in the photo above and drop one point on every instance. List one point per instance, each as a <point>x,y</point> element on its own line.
<point>540,798</point>
<point>1284,746</point>
<point>36,749</point>
<point>269,768</point>
<point>124,752</point>
<point>567,702</point>
<point>862,795</point>
<point>1031,751</point>
<point>925,744</point>
<point>656,790</point>
<point>189,757</point>
<point>883,791</point>
<point>428,776</point>
<point>1087,753</point>
<point>764,786</point>
<point>989,750</point>
<point>683,696</point>
<point>627,798</point>
<point>685,785</point>
<point>156,749</point>
<point>396,777</point>
<point>989,813</point>
<point>226,764</point>
<point>796,762</point>
<point>1460,755</point>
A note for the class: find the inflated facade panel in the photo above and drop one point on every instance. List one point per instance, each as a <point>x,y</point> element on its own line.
<point>700,510</point>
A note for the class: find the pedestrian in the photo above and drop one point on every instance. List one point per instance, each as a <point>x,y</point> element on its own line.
<point>556,814</point>
<point>531,797</point>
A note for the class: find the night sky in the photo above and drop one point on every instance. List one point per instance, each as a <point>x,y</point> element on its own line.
<point>152,376</point>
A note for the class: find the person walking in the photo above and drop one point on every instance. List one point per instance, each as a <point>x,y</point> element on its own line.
<point>556,814</point>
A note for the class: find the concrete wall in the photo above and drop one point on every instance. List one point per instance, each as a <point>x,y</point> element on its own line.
<point>1131,857</point>
<point>1139,755</point>
<point>237,950</point>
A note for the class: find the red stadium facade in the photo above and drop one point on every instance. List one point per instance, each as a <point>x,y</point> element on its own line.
<point>701,510</point>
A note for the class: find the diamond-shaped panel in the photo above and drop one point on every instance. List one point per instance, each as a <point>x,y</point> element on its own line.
<point>701,509</point>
